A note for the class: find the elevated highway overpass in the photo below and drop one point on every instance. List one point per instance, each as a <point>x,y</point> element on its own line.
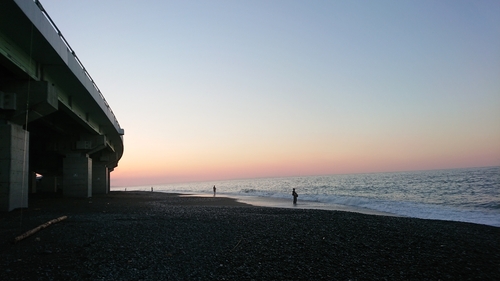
<point>54,121</point>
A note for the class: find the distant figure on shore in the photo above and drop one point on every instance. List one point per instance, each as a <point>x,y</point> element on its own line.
<point>215,190</point>
<point>151,189</point>
<point>295,195</point>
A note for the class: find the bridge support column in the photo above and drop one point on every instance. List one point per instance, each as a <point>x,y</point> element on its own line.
<point>32,182</point>
<point>14,173</point>
<point>77,176</point>
<point>109,180</point>
<point>49,184</point>
<point>100,177</point>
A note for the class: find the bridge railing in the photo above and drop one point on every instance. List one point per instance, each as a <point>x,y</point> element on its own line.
<point>37,2</point>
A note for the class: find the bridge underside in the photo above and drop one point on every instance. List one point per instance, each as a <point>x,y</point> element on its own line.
<point>51,154</point>
<point>56,135</point>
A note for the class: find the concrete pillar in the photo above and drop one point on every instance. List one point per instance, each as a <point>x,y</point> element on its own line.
<point>14,173</point>
<point>100,177</point>
<point>77,175</point>
<point>32,182</point>
<point>109,181</point>
<point>48,184</point>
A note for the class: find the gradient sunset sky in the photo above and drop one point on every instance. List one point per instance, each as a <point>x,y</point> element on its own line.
<point>213,90</point>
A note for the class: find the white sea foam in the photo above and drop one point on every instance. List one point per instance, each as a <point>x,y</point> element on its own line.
<point>467,195</point>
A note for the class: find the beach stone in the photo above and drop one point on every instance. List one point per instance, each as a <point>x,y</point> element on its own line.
<point>157,236</point>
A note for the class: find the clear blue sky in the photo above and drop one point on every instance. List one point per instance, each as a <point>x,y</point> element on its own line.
<point>236,89</point>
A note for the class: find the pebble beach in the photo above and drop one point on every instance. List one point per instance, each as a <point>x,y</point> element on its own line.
<point>141,235</point>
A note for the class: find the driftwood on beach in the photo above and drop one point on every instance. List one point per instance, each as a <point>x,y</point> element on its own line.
<point>38,228</point>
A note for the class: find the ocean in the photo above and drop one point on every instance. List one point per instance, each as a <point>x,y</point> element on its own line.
<point>467,195</point>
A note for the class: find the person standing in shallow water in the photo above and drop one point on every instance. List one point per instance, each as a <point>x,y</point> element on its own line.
<point>295,195</point>
<point>215,189</point>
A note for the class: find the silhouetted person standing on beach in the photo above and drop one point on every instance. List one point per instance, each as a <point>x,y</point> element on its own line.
<point>215,189</point>
<point>295,195</point>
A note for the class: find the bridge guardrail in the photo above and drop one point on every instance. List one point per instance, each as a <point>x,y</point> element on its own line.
<point>59,33</point>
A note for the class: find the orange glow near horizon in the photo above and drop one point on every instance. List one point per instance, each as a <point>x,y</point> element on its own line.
<point>362,157</point>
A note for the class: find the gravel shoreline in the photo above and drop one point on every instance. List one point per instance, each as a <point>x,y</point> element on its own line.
<point>159,236</point>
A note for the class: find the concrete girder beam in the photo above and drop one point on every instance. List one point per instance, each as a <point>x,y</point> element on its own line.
<point>38,97</point>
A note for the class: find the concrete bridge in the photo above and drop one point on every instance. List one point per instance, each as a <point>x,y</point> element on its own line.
<point>54,121</point>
